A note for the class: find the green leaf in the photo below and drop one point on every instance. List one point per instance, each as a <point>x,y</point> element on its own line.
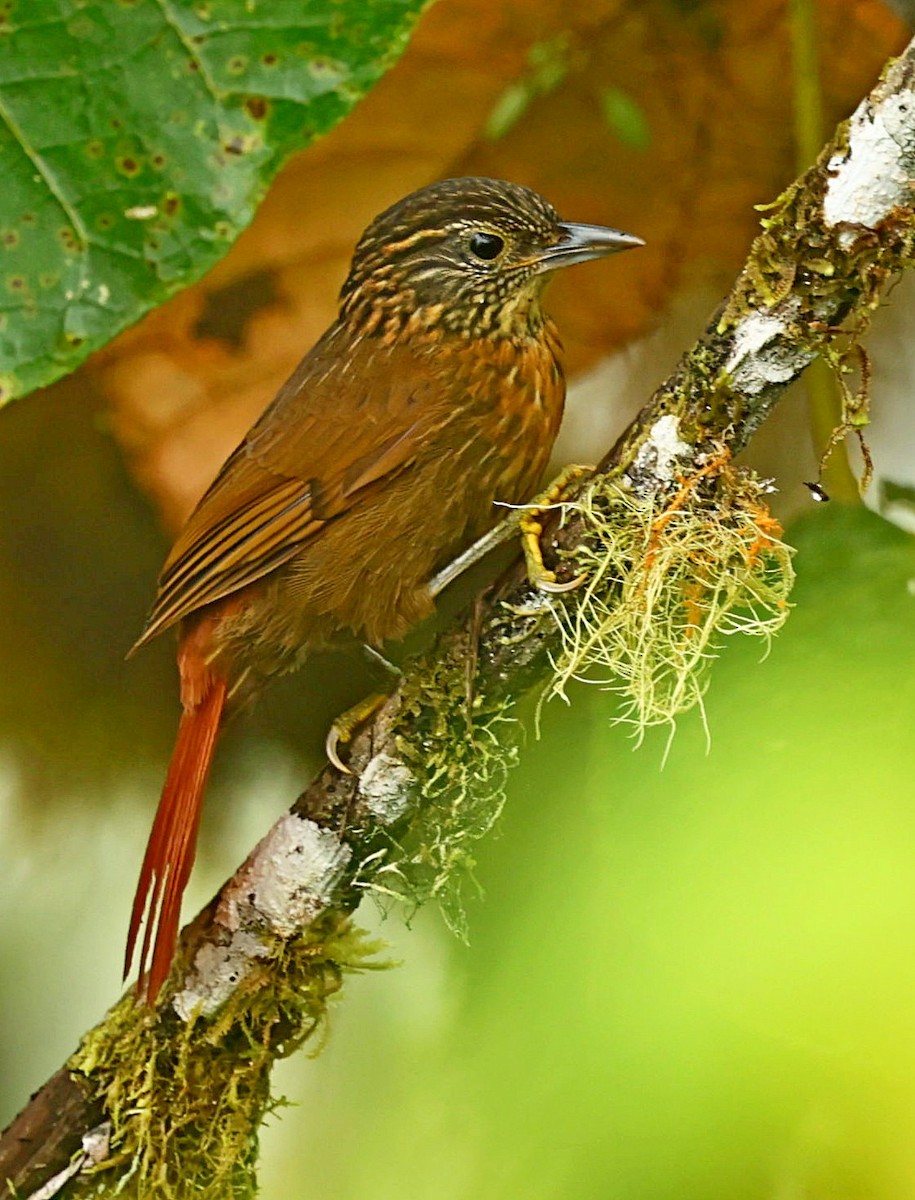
<point>508,110</point>
<point>137,137</point>
<point>892,493</point>
<point>548,66</point>
<point>626,118</point>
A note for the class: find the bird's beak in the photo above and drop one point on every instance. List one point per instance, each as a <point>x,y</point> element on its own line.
<point>581,243</point>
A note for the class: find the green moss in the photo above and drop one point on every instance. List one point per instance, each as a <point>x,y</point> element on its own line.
<point>458,744</point>
<point>186,1099</point>
<point>838,273</point>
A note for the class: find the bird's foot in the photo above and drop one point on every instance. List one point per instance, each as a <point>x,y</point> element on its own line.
<point>526,519</point>
<point>346,725</point>
<point>531,527</point>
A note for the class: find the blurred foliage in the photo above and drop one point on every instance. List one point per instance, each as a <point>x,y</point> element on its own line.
<point>78,551</point>
<point>79,554</point>
<point>547,67</point>
<point>138,138</point>
<point>626,119</point>
<point>693,981</point>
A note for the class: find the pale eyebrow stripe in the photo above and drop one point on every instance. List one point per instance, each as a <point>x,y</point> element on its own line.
<point>413,240</point>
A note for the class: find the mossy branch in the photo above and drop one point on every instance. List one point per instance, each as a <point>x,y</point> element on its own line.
<point>678,550</point>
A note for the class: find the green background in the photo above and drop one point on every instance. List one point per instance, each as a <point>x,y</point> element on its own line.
<point>694,981</point>
<point>690,982</point>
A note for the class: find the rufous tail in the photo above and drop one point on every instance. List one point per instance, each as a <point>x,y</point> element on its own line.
<point>173,841</point>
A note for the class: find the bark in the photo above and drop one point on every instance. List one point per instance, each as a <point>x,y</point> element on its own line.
<point>185,1087</point>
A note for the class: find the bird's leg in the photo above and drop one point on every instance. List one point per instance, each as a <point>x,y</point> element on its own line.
<point>524,520</point>
<point>473,654</point>
<point>503,532</point>
<point>377,659</point>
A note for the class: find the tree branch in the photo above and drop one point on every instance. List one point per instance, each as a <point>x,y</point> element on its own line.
<point>667,521</point>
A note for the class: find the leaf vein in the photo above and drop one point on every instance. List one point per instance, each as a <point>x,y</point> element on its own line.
<point>168,15</point>
<point>53,186</point>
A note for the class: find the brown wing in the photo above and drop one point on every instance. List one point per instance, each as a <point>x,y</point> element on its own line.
<point>308,459</point>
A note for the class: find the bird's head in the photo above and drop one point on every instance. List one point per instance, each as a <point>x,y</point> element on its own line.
<point>470,256</point>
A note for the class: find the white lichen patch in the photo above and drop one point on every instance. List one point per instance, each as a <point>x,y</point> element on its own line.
<point>872,175</point>
<point>216,973</point>
<point>763,353</point>
<point>754,331</point>
<point>658,458</point>
<point>287,880</point>
<point>284,885</point>
<point>383,787</point>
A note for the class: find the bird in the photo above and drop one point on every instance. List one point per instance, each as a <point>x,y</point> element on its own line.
<point>434,396</point>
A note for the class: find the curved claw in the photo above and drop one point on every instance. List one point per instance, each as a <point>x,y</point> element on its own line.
<point>555,588</point>
<point>331,742</point>
<point>532,529</point>
<point>346,725</point>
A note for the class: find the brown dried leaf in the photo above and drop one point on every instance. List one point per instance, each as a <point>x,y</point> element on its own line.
<point>668,119</point>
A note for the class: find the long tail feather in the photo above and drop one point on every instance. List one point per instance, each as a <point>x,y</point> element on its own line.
<point>173,842</point>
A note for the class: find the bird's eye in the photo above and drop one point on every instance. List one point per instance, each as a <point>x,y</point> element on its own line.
<point>486,245</point>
